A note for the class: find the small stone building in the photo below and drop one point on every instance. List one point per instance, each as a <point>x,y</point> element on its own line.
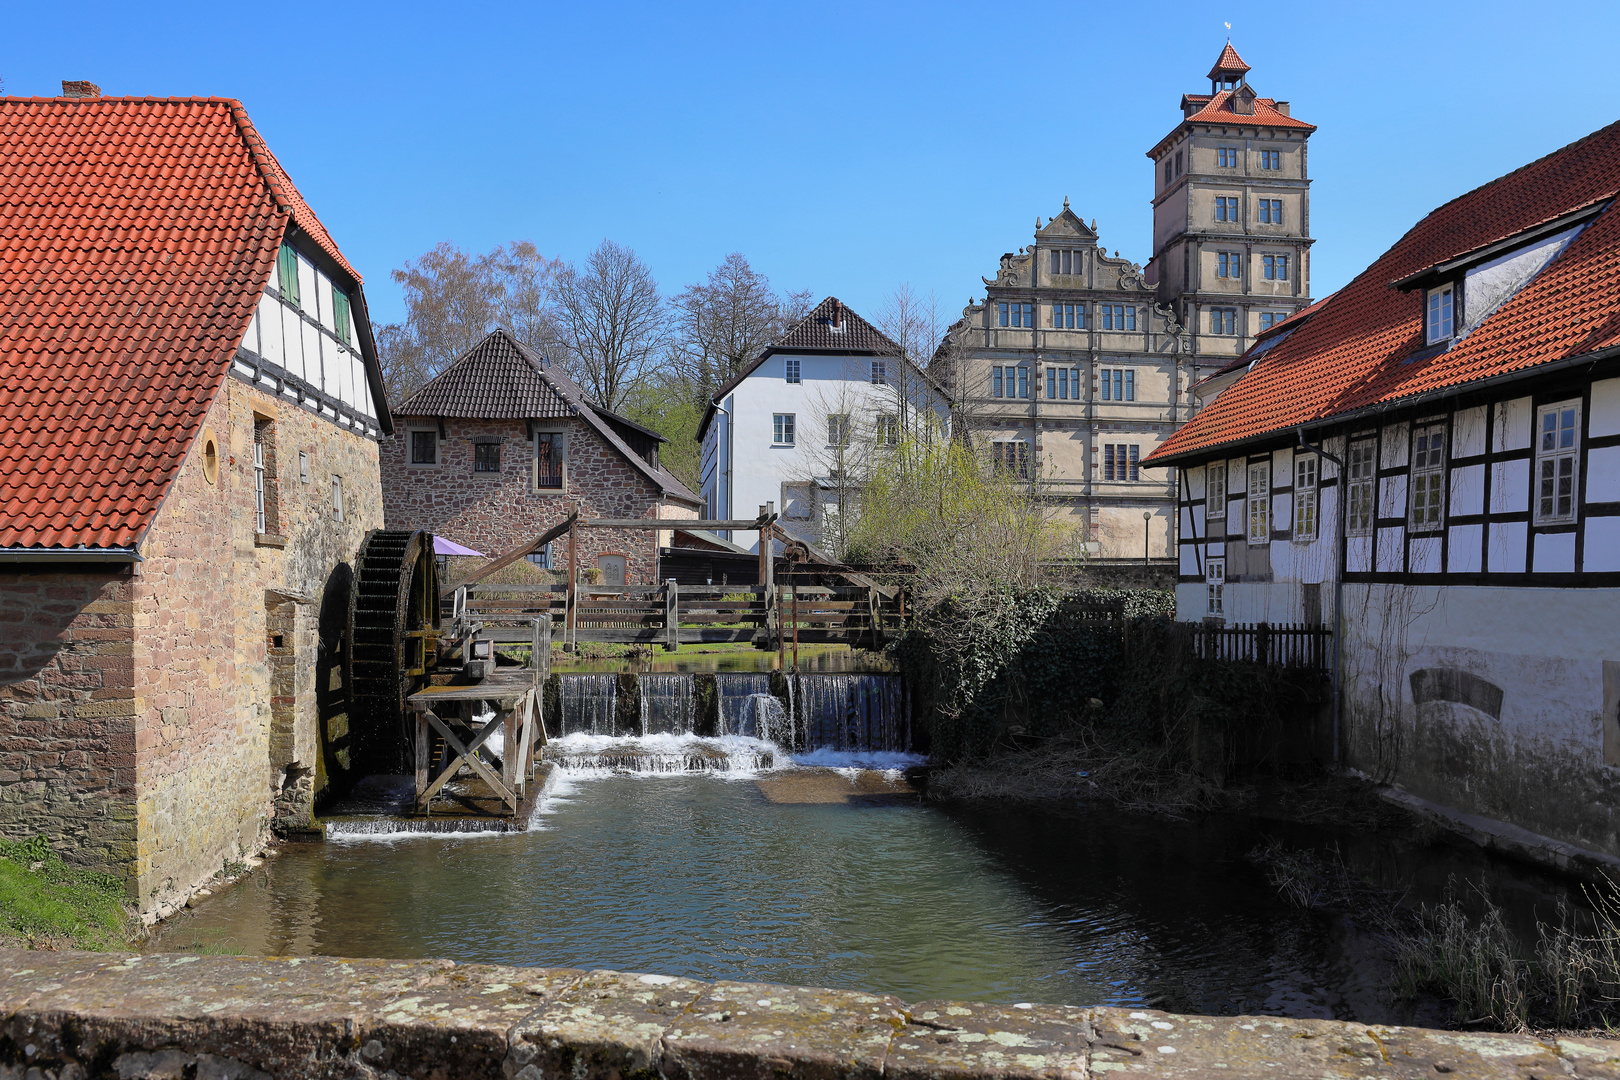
<point>188,461</point>
<point>501,445</point>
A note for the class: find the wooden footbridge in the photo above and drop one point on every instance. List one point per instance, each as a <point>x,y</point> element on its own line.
<point>808,602</point>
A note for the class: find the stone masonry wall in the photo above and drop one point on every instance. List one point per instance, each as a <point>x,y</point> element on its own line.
<point>492,513</point>
<point>67,741</point>
<point>67,1016</point>
<point>212,596</point>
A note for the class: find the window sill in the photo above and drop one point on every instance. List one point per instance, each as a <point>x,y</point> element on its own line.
<point>272,540</point>
<point>548,491</point>
<point>488,476</point>
<point>784,446</point>
<point>421,466</point>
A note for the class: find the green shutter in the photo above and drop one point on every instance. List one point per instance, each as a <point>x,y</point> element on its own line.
<point>287,265</point>
<point>340,314</point>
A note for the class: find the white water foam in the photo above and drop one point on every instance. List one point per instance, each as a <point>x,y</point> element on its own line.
<point>584,755</point>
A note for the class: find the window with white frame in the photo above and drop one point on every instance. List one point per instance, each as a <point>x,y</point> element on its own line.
<point>1122,462</point>
<point>1441,315</point>
<point>260,522</point>
<point>1258,500</point>
<point>1558,448</point>
<point>1361,487</point>
<point>1214,581</point>
<point>1215,491</point>
<point>1427,487</point>
<point>838,430</point>
<point>1306,475</point>
<point>782,428</point>
<point>1116,384</point>
<point>880,372</point>
<point>1229,264</point>
<point>793,372</point>
<point>337,497</point>
<point>888,429</point>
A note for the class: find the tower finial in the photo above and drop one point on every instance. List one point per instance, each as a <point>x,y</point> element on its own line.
<point>1065,202</point>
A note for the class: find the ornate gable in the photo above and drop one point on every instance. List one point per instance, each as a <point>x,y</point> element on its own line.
<point>1068,226</point>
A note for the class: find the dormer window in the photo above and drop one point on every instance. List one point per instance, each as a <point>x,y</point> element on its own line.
<point>1442,315</point>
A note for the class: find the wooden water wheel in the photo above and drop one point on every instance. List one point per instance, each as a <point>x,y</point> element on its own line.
<point>393,620</point>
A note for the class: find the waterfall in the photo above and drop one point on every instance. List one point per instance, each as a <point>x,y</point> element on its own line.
<point>737,694</point>
<point>588,703</point>
<point>855,712</point>
<point>667,706</point>
<point>661,754</point>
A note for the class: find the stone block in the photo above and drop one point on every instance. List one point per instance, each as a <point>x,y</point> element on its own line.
<point>969,1039</point>
<point>607,1024</point>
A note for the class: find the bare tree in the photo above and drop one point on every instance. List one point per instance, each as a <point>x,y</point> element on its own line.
<point>720,324</point>
<point>452,300</point>
<point>913,322</point>
<point>611,319</point>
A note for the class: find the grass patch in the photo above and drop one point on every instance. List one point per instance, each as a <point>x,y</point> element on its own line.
<point>45,903</point>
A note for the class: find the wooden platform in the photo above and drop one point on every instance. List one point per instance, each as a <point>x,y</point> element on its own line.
<point>451,739</point>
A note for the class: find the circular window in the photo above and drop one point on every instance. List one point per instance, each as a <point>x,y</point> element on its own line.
<point>210,459</point>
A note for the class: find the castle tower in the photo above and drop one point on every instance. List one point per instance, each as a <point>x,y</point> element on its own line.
<point>1231,215</point>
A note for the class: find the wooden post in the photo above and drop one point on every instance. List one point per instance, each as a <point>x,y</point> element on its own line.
<point>542,675</point>
<point>795,595</point>
<point>424,749</point>
<point>767,576</point>
<point>569,617</point>
<point>509,745</point>
<point>873,619</point>
<point>672,615</point>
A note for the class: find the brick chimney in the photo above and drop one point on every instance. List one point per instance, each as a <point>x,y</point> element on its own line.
<point>80,88</point>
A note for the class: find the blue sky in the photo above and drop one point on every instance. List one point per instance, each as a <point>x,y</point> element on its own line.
<point>842,147</point>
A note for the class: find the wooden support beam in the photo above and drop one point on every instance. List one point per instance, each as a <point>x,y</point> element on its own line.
<point>570,622</point>
<point>672,615</point>
<point>512,555</point>
<point>666,524</point>
<point>467,753</point>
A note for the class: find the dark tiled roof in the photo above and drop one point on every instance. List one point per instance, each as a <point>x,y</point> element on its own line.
<point>500,378</point>
<point>494,380</point>
<point>834,327</point>
<point>1353,352</point>
<point>136,235</point>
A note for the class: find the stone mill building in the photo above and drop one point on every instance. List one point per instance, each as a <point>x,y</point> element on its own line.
<point>188,462</point>
<point>1078,363</point>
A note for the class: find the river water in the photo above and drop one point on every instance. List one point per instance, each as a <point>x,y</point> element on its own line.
<point>703,876</point>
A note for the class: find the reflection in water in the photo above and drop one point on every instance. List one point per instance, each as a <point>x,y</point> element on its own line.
<point>699,876</point>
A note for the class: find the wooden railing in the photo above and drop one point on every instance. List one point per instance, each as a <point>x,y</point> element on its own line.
<point>1285,644</point>
<point>672,615</point>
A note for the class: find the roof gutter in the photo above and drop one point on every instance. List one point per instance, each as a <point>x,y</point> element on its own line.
<point>1415,400</point>
<point>69,555</point>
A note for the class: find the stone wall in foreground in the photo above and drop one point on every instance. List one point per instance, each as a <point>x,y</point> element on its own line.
<point>67,1016</point>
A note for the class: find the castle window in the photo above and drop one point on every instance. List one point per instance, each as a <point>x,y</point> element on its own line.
<point>548,460</point>
<point>1229,264</point>
<point>995,382</point>
<point>1065,261</point>
<point>1068,316</point>
<point>487,456</point>
<point>1271,159</point>
<point>1012,456</point>
<point>1168,174</point>
<point>1270,211</point>
<point>1223,320</point>
<point>1226,208</point>
<point>1440,319</point>
<point>793,371</point>
<point>1558,448</point>
<point>1179,169</point>
<point>1226,157</point>
<point>1117,317</point>
<point>424,446</point>
<point>1118,384</point>
<point>1017,314</point>
<point>1023,382</point>
<point>1058,381</point>
<point>1268,319</point>
<point>1122,462</point>
<point>1275,267</point>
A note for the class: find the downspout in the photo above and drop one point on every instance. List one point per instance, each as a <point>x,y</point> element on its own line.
<point>1343,499</point>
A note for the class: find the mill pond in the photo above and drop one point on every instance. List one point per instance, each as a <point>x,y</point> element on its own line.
<point>784,845</point>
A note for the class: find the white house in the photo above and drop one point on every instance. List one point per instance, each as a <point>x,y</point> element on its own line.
<point>1430,463</point>
<point>797,425</point>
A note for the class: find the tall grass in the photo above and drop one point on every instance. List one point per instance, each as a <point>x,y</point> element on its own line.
<point>1568,979</point>
<point>44,902</point>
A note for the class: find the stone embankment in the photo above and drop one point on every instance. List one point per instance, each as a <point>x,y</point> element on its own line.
<point>69,1016</point>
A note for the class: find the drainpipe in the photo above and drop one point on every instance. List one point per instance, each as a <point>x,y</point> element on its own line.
<point>1343,498</point>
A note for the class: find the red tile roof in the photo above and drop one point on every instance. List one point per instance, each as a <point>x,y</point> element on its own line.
<point>1228,61</point>
<point>1353,353</point>
<point>135,237</point>
<point>1217,109</point>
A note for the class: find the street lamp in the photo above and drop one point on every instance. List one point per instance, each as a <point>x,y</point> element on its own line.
<point>1147,516</point>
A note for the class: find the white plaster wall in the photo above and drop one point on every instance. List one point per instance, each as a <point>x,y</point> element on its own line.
<point>1604,416</point>
<point>1510,427</point>
<point>1541,764</point>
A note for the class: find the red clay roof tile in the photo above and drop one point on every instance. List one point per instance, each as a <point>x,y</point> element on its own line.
<point>136,235</point>
<point>1228,61</point>
<point>1353,353</point>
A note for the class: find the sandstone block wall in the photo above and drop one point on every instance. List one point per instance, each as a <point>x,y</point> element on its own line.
<point>67,706</point>
<point>227,642</point>
<point>79,1014</point>
<point>492,512</point>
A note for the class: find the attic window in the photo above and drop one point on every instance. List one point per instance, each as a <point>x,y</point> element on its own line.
<point>1440,319</point>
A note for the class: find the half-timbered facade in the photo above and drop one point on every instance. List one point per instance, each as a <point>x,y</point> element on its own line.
<point>1430,462</point>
